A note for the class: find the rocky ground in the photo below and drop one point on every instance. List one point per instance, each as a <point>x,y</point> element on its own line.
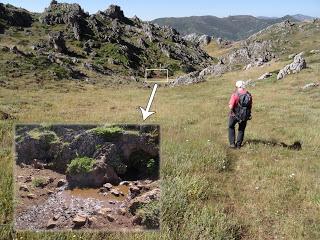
<point>50,199</point>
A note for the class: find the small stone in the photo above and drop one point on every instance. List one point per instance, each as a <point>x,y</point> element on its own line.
<point>56,217</point>
<point>110,218</point>
<point>24,188</point>
<point>31,196</point>
<point>80,220</point>
<point>124,183</point>
<point>115,192</point>
<point>51,224</point>
<point>50,192</point>
<point>28,179</point>
<point>104,211</point>
<point>61,182</point>
<point>122,211</point>
<point>108,186</point>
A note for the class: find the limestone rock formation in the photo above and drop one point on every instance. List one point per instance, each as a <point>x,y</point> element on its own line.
<point>296,66</point>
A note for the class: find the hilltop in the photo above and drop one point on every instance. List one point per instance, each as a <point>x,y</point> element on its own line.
<point>65,42</point>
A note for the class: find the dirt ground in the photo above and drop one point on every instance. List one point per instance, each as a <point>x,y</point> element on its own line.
<point>43,202</point>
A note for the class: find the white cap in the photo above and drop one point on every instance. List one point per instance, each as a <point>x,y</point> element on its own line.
<point>240,84</point>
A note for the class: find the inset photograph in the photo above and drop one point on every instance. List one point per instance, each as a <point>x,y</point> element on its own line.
<point>87,177</point>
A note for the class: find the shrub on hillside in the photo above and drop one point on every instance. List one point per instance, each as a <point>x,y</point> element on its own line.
<point>80,165</point>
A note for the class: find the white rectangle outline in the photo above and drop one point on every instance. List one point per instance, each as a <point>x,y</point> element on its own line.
<point>156,69</point>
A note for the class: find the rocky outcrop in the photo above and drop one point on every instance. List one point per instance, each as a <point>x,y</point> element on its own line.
<point>214,70</point>
<point>255,53</point>
<point>64,13</point>
<point>56,40</point>
<point>198,39</point>
<point>191,78</point>
<point>296,66</point>
<point>115,12</point>
<point>13,16</point>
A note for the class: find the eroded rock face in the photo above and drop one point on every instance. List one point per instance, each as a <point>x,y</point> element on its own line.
<point>296,66</point>
<point>56,40</point>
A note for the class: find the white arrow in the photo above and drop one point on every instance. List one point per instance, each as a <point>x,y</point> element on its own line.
<point>146,112</point>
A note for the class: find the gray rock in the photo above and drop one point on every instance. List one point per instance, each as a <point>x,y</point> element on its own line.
<point>214,70</point>
<point>191,78</point>
<point>265,76</point>
<point>310,85</point>
<point>296,66</point>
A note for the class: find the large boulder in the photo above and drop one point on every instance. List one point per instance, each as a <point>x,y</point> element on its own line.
<point>198,39</point>
<point>296,66</point>
<point>100,174</point>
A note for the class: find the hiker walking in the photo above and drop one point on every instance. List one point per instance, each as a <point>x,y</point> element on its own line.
<point>240,105</point>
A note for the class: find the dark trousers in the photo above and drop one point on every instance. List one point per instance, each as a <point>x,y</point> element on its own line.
<point>242,127</point>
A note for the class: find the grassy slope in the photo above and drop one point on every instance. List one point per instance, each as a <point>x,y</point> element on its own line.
<point>208,192</point>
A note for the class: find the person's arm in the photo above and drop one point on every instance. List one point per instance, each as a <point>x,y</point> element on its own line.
<point>232,101</point>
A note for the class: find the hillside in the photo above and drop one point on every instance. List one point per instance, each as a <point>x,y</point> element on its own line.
<point>64,42</point>
<point>231,28</point>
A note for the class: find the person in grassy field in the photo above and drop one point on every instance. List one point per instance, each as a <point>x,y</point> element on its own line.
<point>240,105</point>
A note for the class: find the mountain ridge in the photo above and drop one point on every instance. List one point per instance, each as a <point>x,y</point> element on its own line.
<point>237,27</point>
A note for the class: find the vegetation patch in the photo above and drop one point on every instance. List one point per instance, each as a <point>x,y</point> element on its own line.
<point>108,133</point>
<point>80,165</point>
<point>38,182</point>
<point>150,215</point>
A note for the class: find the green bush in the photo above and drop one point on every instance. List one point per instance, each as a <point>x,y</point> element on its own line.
<point>150,215</point>
<point>80,165</point>
<point>38,182</point>
<point>108,133</point>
